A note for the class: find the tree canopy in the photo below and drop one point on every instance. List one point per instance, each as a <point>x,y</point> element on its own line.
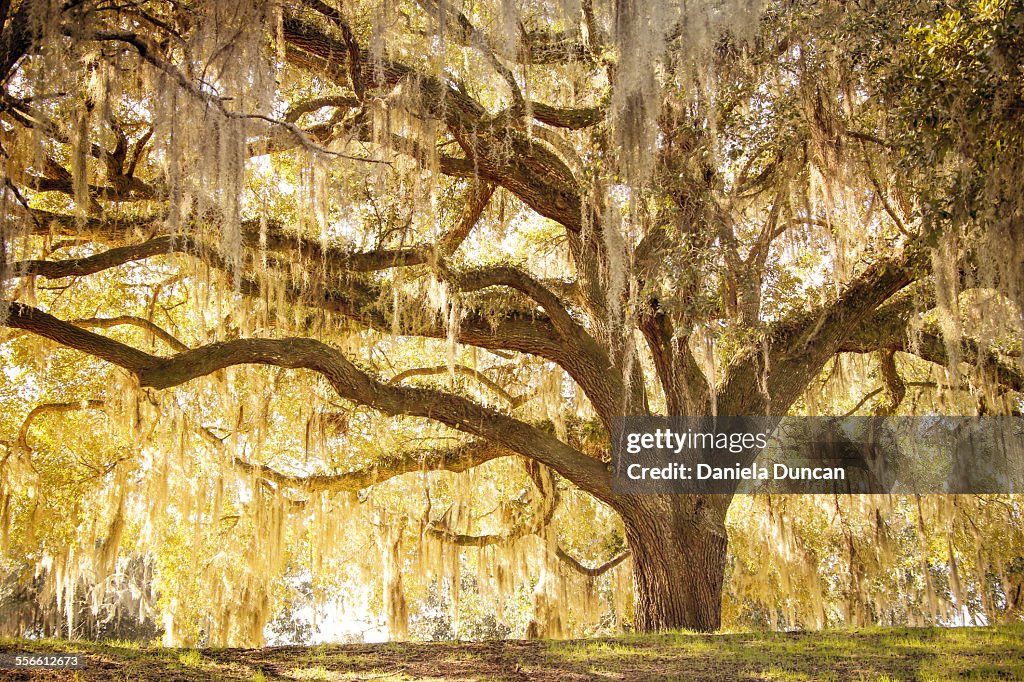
<point>313,300</point>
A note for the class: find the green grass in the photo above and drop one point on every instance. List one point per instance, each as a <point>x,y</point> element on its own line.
<point>190,658</point>
<point>862,655</point>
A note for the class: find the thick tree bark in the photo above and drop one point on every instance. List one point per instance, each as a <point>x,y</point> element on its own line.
<point>679,548</point>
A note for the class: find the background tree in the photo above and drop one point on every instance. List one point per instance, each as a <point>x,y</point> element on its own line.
<point>497,228</point>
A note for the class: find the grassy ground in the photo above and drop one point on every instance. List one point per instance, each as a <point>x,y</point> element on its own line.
<point>873,654</point>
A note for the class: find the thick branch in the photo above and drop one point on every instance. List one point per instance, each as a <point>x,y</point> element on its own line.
<point>793,351</point>
<point>477,197</point>
<point>514,278</point>
<point>107,322</point>
<point>573,119</point>
<point>365,302</point>
<point>594,370</point>
<point>889,329</point>
<point>456,459</point>
<point>347,380</point>
<point>558,337</point>
<point>78,267</point>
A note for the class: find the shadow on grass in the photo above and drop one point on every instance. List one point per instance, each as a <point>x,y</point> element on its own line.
<point>855,655</point>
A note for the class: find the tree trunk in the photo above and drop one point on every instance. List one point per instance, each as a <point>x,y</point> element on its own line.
<point>679,546</point>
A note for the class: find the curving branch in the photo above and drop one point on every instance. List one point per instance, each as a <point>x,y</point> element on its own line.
<point>793,351</point>
<point>478,195</point>
<point>556,337</point>
<point>150,54</point>
<point>892,382</point>
<point>132,190</point>
<point>108,322</point>
<point>514,278</point>
<point>575,565</point>
<point>549,499</point>
<point>53,408</point>
<point>513,401</point>
<point>440,531</point>
<point>889,330</point>
<point>345,378</point>
<point>549,496</point>
<point>455,459</point>
<point>590,366</point>
<point>89,265</point>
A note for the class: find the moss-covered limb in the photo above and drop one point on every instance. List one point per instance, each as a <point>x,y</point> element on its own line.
<point>477,195</point>
<point>463,370</point>
<point>151,328</point>
<point>455,459</point>
<point>929,344</point>
<point>271,236</point>
<point>521,281</point>
<point>89,265</point>
<point>555,336</point>
<point>532,172</point>
<point>792,352</point>
<point>573,334</point>
<point>357,299</point>
<point>348,381</point>
<point>133,190</point>
<point>889,329</point>
<point>894,387</point>
<point>686,389</point>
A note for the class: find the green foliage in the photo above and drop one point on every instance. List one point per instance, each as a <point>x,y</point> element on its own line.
<point>960,94</point>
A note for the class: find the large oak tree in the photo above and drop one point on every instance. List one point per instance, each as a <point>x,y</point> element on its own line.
<point>733,194</point>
